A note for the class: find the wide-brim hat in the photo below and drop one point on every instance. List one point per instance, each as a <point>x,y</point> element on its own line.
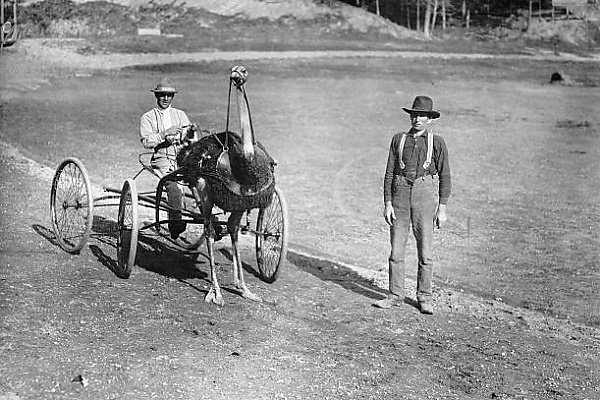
<point>164,86</point>
<point>424,105</point>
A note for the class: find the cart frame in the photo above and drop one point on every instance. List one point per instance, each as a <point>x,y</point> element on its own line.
<point>72,214</point>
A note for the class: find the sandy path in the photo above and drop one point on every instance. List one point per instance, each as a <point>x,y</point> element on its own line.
<point>48,50</point>
<point>33,62</point>
<point>59,52</point>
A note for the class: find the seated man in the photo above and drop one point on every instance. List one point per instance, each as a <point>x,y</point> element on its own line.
<point>161,129</point>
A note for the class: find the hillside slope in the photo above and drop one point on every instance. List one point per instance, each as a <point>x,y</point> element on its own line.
<point>278,24</point>
<point>341,15</point>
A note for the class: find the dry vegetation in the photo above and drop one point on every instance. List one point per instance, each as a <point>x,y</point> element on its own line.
<point>298,24</point>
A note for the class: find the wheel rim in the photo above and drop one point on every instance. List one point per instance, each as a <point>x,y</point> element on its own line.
<point>125,228</point>
<point>271,238</point>
<point>128,230</point>
<point>71,206</point>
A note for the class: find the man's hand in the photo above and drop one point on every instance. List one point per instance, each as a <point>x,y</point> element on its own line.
<point>173,134</point>
<point>388,213</point>
<point>440,216</point>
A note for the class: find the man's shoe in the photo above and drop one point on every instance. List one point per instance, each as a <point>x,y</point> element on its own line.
<point>426,308</point>
<point>388,302</point>
<point>219,228</point>
<point>177,228</point>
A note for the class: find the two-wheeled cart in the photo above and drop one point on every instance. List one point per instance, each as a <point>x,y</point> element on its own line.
<point>72,214</point>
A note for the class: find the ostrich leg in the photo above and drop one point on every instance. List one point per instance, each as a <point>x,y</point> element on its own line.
<point>201,194</point>
<point>233,227</point>
<point>214,293</point>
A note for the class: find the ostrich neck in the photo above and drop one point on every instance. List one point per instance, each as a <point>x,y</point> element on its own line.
<point>245,126</point>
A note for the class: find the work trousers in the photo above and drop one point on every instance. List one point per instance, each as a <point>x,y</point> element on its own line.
<point>414,205</point>
<point>163,166</point>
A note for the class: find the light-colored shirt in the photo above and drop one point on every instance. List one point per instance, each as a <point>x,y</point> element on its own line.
<point>155,122</point>
<point>166,116</point>
<point>153,126</point>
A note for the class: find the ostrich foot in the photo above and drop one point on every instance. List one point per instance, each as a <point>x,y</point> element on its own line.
<point>247,294</point>
<point>214,296</point>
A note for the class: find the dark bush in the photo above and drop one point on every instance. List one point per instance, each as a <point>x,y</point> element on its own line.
<point>102,18</point>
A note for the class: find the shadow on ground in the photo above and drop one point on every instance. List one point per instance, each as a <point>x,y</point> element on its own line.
<point>333,272</point>
<point>157,256</point>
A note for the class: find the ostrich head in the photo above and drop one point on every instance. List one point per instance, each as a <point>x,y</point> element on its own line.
<point>238,75</point>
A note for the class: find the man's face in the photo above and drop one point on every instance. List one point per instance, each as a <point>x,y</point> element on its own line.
<point>163,100</point>
<point>419,121</point>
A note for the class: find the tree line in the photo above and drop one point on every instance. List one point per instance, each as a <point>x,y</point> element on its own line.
<point>427,15</point>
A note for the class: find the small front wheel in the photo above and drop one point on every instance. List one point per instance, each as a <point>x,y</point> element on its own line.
<point>128,227</point>
<point>71,205</point>
<point>272,237</point>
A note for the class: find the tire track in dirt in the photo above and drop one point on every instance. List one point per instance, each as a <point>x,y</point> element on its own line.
<point>64,53</point>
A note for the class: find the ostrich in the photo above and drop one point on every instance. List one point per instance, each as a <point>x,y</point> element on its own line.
<point>233,172</point>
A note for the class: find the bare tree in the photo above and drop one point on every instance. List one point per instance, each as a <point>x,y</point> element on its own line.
<point>466,13</point>
<point>427,22</point>
<point>436,4</point>
<point>444,14</point>
<point>418,15</point>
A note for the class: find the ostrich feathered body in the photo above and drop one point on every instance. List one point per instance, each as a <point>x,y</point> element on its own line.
<point>235,182</point>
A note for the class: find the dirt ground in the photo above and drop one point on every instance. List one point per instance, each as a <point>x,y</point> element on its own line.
<point>72,329</point>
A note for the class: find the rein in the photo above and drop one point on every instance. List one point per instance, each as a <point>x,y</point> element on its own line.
<point>226,147</point>
<point>249,114</point>
<point>243,89</point>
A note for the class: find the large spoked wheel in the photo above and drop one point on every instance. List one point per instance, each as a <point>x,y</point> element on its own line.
<point>71,205</point>
<point>128,227</point>
<point>272,237</point>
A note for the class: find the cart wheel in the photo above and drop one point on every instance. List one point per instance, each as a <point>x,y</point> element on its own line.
<point>272,237</point>
<point>71,205</point>
<point>128,229</point>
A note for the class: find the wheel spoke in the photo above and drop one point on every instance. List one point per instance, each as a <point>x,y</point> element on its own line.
<point>271,240</point>
<point>71,205</point>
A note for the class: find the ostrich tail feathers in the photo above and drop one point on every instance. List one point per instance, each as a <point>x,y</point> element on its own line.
<point>236,182</point>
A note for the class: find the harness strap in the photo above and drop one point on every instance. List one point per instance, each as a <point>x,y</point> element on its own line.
<point>401,150</point>
<point>160,123</point>
<point>429,150</point>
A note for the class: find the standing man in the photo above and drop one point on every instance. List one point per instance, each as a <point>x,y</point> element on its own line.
<point>417,186</point>
<point>161,130</point>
